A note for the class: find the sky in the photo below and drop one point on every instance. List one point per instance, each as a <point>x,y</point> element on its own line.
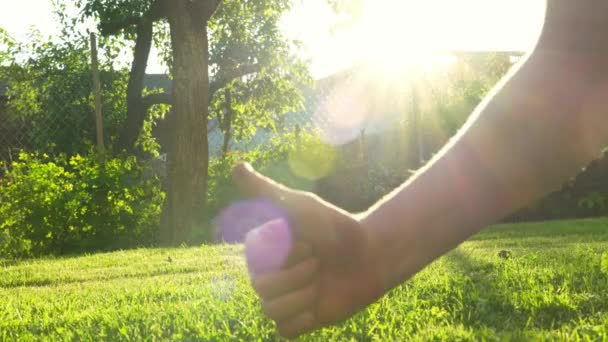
<point>396,28</point>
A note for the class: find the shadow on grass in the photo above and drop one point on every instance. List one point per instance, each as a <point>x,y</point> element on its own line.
<point>588,230</point>
<point>490,301</point>
<point>62,282</point>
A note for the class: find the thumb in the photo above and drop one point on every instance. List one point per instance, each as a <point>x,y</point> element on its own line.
<point>252,184</point>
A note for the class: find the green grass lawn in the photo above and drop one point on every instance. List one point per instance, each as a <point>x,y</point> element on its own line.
<point>555,286</point>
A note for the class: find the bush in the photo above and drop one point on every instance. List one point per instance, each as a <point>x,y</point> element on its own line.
<point>66,204</point>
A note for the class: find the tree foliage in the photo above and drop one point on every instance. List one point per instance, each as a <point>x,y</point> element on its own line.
<point>210,45</point>
<point>246,33</point>
<point>49,85</point>
<point>248,54</point>
<point>455,93</point>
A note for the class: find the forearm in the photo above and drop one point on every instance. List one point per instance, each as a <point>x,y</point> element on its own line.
<point>537,129</point>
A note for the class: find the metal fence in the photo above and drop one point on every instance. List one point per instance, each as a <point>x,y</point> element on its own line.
<point>13,135</point>
<point>66,125</point>
<point>46,124</point>
<point>51,123</point>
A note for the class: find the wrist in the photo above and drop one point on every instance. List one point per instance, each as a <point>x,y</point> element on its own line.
<point>408,234</point>
<point>391,257</point>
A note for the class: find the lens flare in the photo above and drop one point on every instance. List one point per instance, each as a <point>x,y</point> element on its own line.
<point>240,218</point>
<point>312,160</point>
<point>264,229</point>
<point>283,172</point>
<point>342,115</point>
<point>268,247</point>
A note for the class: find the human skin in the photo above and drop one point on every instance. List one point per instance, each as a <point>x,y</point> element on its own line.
<point>540,125</point>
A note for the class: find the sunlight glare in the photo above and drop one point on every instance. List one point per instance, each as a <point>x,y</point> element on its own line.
<point>312,160</point>
<point>344,113</point>
<point>393,32</point>
<point>397,38</point>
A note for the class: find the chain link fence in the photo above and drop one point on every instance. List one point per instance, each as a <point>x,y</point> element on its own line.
<point>60,115</point>
<point>13,134</point>
<point>381,142</point>
<point>332,111</point>
<point>55,116</point>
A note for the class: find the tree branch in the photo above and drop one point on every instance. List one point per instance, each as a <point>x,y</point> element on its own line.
<point>154,99</point>
<point>112,28</point>
<point>136,113</point>
<point>241,71</point>
<point>214,4</point>
<point>206,8</point>
<point>215,86</point>
<point>156,12</point>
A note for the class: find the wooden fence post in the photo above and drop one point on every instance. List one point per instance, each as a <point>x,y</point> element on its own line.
<point>98,104</point>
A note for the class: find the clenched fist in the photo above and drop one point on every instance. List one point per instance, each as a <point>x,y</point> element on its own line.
<point>330,270</point>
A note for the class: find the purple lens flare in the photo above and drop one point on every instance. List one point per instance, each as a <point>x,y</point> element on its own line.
<point>263,227</point>
<point>238,219</point>
<point>267,247</point>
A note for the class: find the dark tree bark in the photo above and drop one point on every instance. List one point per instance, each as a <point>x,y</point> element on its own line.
<point>136,112</point>
<point>188,157</point>
<point>137,108</point>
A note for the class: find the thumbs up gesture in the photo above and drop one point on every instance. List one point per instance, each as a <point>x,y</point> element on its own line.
<point>330,269</point>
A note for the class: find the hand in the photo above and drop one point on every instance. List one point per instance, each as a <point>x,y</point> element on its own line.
<point>332,270</point>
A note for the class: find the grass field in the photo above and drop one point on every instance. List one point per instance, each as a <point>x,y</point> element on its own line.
<point>555,287</point>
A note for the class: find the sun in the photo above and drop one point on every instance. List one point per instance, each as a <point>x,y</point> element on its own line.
<point>398,32</point>
<point>396,37</point>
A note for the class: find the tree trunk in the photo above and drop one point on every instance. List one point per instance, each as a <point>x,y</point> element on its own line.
<point>227,123</point>
<point>188,157</point>
<point>136,112</point>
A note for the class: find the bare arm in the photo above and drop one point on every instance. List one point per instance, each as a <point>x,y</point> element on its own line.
<point>538,127</point>
<point>541,125</point>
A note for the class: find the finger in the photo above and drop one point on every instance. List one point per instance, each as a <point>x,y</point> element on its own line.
<point>297,205</point>
<point>273,285</point>
<point>252,184</point>
<point>291,304</point>
<point>299,252</point>
<point>296,326</point>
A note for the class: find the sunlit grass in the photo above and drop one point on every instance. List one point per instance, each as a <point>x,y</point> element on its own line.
<point>553,287</point>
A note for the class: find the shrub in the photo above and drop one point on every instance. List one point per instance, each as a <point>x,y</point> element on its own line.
<point>66,204</point>
<point>593,201</point>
